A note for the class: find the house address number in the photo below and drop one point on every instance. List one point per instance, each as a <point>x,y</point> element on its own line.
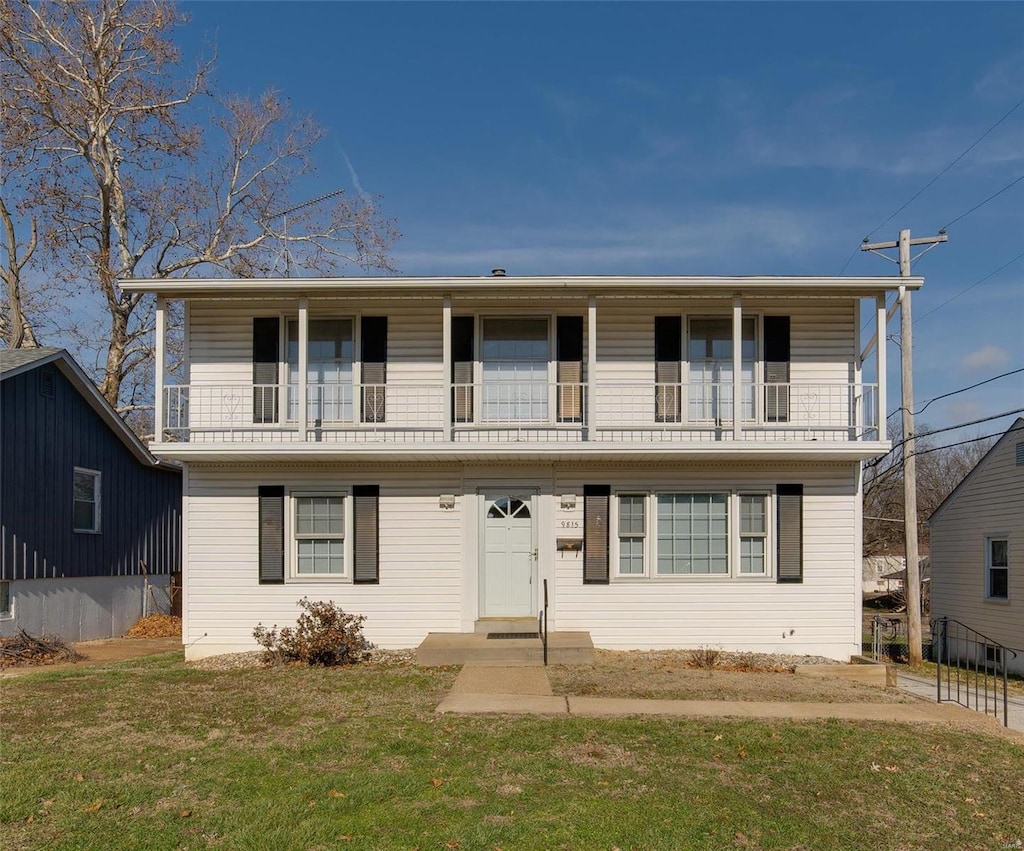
<point>568,524</point>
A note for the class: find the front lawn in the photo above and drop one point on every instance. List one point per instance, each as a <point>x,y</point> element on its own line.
<point>154,754</point>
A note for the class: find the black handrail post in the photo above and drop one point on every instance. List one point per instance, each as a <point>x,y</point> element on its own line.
<point>938,662</point>
<point>1006,710</point>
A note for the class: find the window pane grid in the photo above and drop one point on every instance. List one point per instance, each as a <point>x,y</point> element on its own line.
<point>632,531</point>
<point>693,534</point>
<point>319,535</point>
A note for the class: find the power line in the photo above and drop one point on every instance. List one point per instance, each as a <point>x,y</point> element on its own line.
<point>969,440</point>
<point>991,197</point>
<point>931,182</point>
<point>876,461</point>
<point>971,287</point>
<point>961,390</point>
<point>952,163</point>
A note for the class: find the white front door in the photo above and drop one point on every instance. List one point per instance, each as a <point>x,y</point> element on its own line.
<point>509,558</point>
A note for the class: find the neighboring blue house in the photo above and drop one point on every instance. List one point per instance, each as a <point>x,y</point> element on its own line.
<point>82,503</point>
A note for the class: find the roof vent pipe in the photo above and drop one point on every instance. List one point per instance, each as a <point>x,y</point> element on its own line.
<point>497,273</point>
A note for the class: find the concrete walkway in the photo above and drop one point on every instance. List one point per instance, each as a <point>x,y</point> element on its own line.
<point>495,690</point>
<point>924,687</point>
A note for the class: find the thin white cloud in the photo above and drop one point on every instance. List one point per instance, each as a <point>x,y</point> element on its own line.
<point>1003,79</point>
<point>355,177</point>
<point>984,358</point>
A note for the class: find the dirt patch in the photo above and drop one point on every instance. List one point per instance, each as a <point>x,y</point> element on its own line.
<point>667,675</point>
<point>104,651</point>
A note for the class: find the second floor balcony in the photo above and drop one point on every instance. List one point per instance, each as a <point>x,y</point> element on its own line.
<point>532,411</point>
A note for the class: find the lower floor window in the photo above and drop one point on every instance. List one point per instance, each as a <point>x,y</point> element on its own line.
<point>693,534</point>
<point>997,563</point>
<point>319,525</point>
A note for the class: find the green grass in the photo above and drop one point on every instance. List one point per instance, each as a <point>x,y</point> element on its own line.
<point>172,757</point>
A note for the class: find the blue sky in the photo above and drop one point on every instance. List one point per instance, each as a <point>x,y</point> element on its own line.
<point>634,138</point>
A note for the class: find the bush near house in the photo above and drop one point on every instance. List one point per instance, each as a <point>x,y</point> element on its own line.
<point>324,634</point>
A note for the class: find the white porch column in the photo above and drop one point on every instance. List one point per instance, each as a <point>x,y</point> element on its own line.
<point>159,392</point>
<point>881,320</point>
<point>737,367</point>
<point>303,389</point>
<point>590,402</point>
<point>446,363</point>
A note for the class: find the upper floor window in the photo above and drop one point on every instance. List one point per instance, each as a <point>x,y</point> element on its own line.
<point>329,359</point>
<point>514,357</point>
<point>997,568</point>
<point>709,353</point>
<point>86,500</point>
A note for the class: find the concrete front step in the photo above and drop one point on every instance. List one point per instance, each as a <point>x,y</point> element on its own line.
<point>485,626</point>
<point>453,648</point>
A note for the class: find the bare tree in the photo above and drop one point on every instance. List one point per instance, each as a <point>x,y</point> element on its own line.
<point>133,185</point>
<point>939,471</point>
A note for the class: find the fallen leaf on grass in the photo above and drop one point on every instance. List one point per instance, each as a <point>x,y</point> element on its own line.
<point>892,768</point>
<point>453,843</point>
<point>185,813</point>
<point>94,807</point>
<point>875,766</point>
<point>30,819</point>
<point>79,777</point>
<point>741,752</point>
<point>436,781</point>
<point>334,793</point>
<point>717,738</point>
<point>312,804</point>
<point>980,815</point>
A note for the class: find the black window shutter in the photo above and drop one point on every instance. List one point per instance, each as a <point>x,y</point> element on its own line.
<point>569,344</point>
<point>374,367</point>
<point>365,538</point>
<point>776,368</point>
<point>462,369</point>
<point>668,356</point>
<point>271,534</point>
<point>789,505</point>
<point>266,335</point>
<point>596,499</point>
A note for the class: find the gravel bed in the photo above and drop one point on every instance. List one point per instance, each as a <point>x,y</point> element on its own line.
<point>254,659</point>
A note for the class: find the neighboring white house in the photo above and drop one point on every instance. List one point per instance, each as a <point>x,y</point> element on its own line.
<point>978,550</point>
<point>677,458</point>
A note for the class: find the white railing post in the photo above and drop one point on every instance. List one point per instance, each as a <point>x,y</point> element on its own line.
<point>446,365</point>
<point>881,320</point>
<point>160,356</point>
<point>590,389</point>
<point>737,367</point>
<point>303,388</point>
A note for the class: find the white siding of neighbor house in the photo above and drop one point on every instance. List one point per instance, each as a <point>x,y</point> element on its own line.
<point>990,503</point>
<point>428,561</point>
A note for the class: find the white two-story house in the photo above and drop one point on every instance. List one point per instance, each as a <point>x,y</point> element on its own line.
<point>675,459</point>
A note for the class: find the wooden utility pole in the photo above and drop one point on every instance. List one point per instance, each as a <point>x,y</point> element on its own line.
<point>904,244</point>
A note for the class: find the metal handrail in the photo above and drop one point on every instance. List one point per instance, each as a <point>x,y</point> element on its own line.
<point>542,624</point>
<point>971,682</point>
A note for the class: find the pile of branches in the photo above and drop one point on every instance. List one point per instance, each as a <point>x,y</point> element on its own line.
<point>24,649</point>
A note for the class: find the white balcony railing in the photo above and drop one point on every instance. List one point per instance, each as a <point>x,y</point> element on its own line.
<point>530,410</point>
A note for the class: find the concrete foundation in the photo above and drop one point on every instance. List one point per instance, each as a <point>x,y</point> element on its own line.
<point>82,609</point>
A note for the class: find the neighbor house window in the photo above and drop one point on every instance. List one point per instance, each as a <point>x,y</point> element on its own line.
<point>997,568</point>
<point>319,535</point>
<point>86,511</point>
<point>5,598</point>
<point>632,533</point>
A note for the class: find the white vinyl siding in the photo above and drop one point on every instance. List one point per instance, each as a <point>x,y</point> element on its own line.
<point>989,504</point>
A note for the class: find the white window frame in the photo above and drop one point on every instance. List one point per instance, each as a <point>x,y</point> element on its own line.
<point>293,575</point>
<point>478,360</point>
<point>989,567</point>
<point>6,613</point>
<point>283,365</point>
<point>647,548</point>
<point>758,371</point>
<point>97,502</point>
<point>733,503</point>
